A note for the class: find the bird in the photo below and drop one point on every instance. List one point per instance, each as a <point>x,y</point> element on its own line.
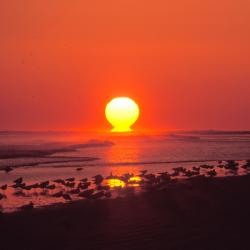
<point>18,181</point>
<point>196,169</point>
<point>8,169</point>
<point>212,173</point>
<point>98,179</point>
<point>79,169</point>
<point>2,196</point>
<point>51,187</point>
<point>84,185</point>
<point>58,194</point>
<point>189,173</point>
<point>70,179</point>
<point>66,197</point>
<point>29,187</point>
<point>59,181</point>
<point>207,166</point>
<point>19,193</point>
<point>44,184</point>
<point>84,180</point>
<point>108,194</point>
<point>86,193</point>
<point>179,169</point>
<point>97,195</point>
<point>21,185</point>
<point>4,187</point>
<point>151,178</point>
<point>27,206</point>
<point>69,184</point>
<point>246,165</point>
<point>103,187</point>
<point>75,191</point>
<point>111,176</point>
<point>165,177</point>
<point>232,165</point>
<point>175,174</point>
<point>143,172</point>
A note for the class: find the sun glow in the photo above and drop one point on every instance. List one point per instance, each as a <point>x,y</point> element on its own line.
<point>116,183</point>
<point>122,113</point>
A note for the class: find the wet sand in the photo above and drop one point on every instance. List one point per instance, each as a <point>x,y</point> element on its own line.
<point>211,213</point>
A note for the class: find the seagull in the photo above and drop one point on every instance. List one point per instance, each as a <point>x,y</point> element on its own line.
<point>70,179</point>
<point>4,187</point>
<point>58,194</point>
<point>21,185</point>
<point>19,193</point>
<point>66,197</point>
<point>212,173</point>
<point>196,168</point>
<point>97,195</point>
<point>19,180</point>
<point>84,180</point>
<point>59,181</point>
<point>51,187</point>
<point>108,194</point>
<point>75,191</point>
<point>44,184</point>
<point>8,169</point>
<point>69,184</point>
<point>143,172</point>
<point>86,193</point>
<point>98,179</point>
<point>84,185</point>
<point>103,187</point>
<point>2,196</point>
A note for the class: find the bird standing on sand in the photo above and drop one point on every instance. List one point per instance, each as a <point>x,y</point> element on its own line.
<point>70,179</point>
<point>84,180</point>
<point>84,185</point>
<point>97,195</point>
<point>8,169</point>
<point>4,187</point>
<point>143,172</point>
<point>86,193</point>
<point>2,196</point>
<point>66,197</point>
<point>19,180</point>
<point>58,194</point>
<point>212,173</point>
<point>44,184</point>
<point>98,179</point>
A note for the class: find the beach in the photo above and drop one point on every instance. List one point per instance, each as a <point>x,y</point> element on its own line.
<point>211,213</point>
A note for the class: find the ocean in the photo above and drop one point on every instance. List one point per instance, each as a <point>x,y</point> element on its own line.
<point>49,153</point>
<point>41,156</point>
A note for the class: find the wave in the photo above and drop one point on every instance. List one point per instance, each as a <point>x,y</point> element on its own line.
<point>45,150</point>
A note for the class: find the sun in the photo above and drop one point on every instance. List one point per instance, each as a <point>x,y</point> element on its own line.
<point>122,113</point>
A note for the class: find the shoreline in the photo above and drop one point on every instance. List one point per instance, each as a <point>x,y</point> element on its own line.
<point>211,213</point>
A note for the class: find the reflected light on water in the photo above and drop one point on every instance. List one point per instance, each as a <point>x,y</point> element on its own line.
<point>135,179</point>
<point>116,183</point>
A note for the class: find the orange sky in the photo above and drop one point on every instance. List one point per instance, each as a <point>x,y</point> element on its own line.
<point>186,62</point>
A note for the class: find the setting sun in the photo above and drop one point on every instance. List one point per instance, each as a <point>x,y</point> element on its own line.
<point>122,113</point>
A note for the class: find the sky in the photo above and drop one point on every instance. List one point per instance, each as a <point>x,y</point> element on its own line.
<point>185,62</point>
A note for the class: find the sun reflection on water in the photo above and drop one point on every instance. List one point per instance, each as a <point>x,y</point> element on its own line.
<point>116,183</point>
<point>135,179</point>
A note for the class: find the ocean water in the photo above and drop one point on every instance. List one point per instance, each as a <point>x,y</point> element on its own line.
<point>51,155</point>
<point>105,153</point>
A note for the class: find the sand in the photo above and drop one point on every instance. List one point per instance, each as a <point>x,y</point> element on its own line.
<point>199,214</point>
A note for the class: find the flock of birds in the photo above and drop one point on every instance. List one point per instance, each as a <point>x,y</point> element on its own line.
<point>100,187</point>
